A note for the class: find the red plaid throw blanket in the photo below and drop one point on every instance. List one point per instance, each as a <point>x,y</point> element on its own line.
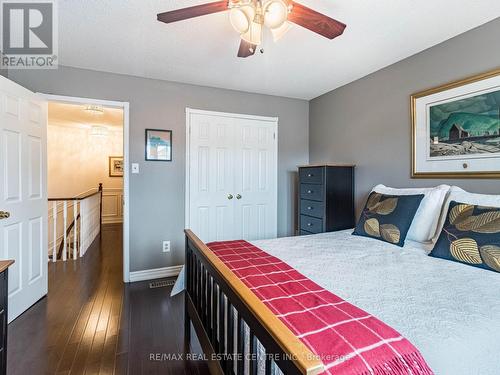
<point>348,340</point>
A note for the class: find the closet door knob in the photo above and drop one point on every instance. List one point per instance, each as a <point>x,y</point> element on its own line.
<point>230,196</point>
<point>239,196</point>
<point>4,215</point>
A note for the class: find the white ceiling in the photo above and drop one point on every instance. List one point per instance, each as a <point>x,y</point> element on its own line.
<point>124,37</point>
<point>65,114</point>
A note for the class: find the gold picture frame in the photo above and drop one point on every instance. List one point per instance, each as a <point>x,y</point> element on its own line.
<point>416,129</point>
<point>116,167</point>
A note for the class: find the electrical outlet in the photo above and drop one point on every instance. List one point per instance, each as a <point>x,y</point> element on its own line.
<point>166,246</point>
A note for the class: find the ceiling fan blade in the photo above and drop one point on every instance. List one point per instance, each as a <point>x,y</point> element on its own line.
<point>246,49</point>
<point>191,12</point>
<point>315,21</point>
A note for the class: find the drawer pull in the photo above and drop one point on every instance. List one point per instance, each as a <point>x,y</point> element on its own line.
<point>309,224</point>
<point>309,208</point>
<point>309,192</point>
<point>310,175</point>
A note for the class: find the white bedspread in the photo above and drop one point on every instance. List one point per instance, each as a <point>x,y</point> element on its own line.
<point>449,311</point>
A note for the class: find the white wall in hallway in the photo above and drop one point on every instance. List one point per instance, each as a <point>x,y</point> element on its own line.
<point>79,161</point>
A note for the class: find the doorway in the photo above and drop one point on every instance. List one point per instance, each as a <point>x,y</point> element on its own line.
<point>23,193</point>
<point>87,159</point>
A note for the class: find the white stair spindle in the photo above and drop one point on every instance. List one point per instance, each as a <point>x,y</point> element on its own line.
<point>54,231</point>
<point>65,238</point>
<point>75,228</point>
<point>82,223</point>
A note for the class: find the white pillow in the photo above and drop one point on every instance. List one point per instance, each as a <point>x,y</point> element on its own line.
<point>459,195</point>
<point>426,220</point>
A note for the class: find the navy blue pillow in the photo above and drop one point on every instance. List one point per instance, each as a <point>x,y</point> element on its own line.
<point>388,217</point>
<point>471,235</point>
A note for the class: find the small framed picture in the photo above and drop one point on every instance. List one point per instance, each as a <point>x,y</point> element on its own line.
<point>158,145</point>
<point>116,166</point>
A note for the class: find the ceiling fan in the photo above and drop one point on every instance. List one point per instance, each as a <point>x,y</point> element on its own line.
<point>248,18</point>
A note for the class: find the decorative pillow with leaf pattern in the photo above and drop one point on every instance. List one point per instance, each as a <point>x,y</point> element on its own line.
<point>470,235</point>
<point>388,217</point>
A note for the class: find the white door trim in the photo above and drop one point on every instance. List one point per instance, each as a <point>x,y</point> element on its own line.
<point>126,162</point>
<point>189,112</point>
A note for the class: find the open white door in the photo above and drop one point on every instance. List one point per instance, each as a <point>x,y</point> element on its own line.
<point>23,193</point>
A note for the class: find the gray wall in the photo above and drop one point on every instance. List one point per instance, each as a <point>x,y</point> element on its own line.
<point>367,122</point>
<point>157,193</point>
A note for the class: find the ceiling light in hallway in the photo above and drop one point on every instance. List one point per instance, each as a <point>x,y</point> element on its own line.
<point>94,109</point>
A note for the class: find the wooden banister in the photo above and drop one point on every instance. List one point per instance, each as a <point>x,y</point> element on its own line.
<point>77,201</point>
<point>303,359</point>
<point>75,198</point>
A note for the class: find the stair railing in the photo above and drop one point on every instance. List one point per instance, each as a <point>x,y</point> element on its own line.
<point>86,212</point>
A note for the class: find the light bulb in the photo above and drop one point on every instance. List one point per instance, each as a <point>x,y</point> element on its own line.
<point>241,18</point>
<point>254,34</point>
<point>279,32</point>
<point>275,14</point>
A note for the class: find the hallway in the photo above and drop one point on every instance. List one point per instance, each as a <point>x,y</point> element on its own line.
<point>92,323</point>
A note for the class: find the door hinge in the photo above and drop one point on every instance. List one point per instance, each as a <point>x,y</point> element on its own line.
<point>274,136</point>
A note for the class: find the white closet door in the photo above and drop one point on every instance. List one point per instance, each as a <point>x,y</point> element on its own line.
<point>211,178</point>
<point>23,193</point>
<point>255,179</point>
<point>232,176</point>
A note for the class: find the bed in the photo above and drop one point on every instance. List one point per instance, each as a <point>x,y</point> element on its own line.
<point>449,311</point>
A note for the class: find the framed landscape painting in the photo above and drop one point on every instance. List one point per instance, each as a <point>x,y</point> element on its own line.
<point>456,129</point>
<point>158,145</point>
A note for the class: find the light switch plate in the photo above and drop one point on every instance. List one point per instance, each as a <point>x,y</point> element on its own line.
<point>135,168</point>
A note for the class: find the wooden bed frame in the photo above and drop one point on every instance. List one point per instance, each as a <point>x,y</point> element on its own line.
<point>213,291</point>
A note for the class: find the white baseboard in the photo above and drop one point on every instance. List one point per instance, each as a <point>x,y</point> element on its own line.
<point>156,273</point>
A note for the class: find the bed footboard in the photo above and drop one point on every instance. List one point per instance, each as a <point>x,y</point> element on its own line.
<point>220,307</point>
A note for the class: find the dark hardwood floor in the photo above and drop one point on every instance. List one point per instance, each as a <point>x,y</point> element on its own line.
<point>92,323</point>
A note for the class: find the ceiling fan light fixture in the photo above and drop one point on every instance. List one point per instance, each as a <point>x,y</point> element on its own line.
<point>254,34</point>
<point>241,18</point>
<point>275,14</point>
<point>280,32</point>
<point>250,17</point>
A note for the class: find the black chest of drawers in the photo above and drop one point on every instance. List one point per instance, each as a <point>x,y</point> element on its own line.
<point>326,198</point>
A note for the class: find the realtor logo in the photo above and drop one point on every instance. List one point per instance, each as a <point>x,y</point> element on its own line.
<point>28,34</point>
